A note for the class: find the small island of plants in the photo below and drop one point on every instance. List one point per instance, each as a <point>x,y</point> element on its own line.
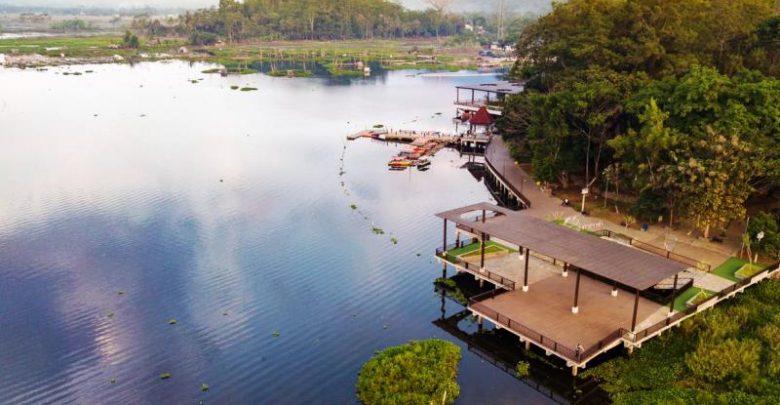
<point>418,372</point>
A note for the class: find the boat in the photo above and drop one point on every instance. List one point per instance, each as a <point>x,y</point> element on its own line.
<point>400,163</point>
<point>423,164</point>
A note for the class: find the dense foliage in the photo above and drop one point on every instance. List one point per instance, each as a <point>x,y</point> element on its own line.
<point>677,102</point>
<point>319,19</point>
<point>73,25</point>
<point>769,225</point>
<point>419,372</point>
<point>728,355</point>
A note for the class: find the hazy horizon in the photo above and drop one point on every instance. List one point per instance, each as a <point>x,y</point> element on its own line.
<point>459,5</point>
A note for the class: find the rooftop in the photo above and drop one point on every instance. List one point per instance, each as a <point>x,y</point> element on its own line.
<point>625,265</point>
<point>503,87</point>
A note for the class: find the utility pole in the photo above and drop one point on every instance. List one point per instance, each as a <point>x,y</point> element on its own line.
<point>502,19</point>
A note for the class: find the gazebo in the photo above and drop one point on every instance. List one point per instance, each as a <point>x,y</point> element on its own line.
<point>481,118</point>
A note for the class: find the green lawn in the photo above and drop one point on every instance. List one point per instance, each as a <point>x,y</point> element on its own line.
<point>679,302</point>
<point>474,248</point>
<point>731,266</point>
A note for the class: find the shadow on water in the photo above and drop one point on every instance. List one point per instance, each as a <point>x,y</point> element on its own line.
<point>548,376</point>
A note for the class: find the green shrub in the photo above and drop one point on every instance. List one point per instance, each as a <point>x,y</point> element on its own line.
<point>419,372</point>
<point>203,38</point>
<point>719,361</point>
<point>523,369</point>
<point>768,224</point>
<point>648,206</point>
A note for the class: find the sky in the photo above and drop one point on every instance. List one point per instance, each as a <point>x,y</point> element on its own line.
<point>459,5</point>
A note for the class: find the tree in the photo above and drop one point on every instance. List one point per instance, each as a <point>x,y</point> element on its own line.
<point>714,176</point>
<point>648,152</point>
<point>770,244</point>
<point>130,40</point>
<point>441,7</point>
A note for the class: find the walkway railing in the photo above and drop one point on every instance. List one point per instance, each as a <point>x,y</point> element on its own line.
<point>689,261</point>
<point>481,103</point>
<point>474,269</point>
<point>709,302</point>
<point>489,153</point>
<point>574,354</point>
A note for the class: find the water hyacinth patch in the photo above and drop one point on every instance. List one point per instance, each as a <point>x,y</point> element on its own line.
<point>419,372</point>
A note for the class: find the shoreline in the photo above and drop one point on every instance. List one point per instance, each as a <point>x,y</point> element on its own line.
<point>338,58</point>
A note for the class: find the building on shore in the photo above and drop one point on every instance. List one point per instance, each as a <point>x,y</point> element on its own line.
<point>470,98</point>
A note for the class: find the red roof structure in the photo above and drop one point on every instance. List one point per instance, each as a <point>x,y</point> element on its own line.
<point>482,118</point>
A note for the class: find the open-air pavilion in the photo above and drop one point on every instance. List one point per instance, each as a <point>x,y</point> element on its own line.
<point>558,288</point>
<point>490,95</point>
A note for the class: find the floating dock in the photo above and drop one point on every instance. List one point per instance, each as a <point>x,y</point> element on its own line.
<point>419,138</point>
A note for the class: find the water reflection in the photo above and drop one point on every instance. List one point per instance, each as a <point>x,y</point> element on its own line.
<point>132,196</point>
<point>549,377</point>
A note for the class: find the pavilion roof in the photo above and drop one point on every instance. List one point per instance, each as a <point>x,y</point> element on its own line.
<point>614,261</point>
<point>500,87</point>
<point>482,117</point>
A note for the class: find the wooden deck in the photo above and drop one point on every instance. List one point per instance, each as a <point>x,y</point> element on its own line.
<point>546,309</point>
<point>421,137</point>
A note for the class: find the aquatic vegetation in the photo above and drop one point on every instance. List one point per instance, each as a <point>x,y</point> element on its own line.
<point>523,369</point>
<point>120,292</point>
<point>394,240</point>
<point>378,231</point>
<point>728,354</point>
<point>419,372</point>
<point>211,71</point>
<point>112,380</point>
<point>353,206</point>
<point>276,333</point>
<point>165,376</point>
<point>291,73</point>
<point>379,126</point>
<point>204,387</point>
<point>248,89</point>
<point>235,87</point>
<point>172,322</point>
<point>450,287</point>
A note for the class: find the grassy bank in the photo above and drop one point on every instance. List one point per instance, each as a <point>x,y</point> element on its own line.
<point>728,355</point>
<point>337,58</point>
<point>419,372</point>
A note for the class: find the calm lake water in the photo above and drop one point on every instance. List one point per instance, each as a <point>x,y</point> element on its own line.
<point>131,197</point>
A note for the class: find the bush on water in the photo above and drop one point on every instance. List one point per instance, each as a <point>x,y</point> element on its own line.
<point>418,372</point>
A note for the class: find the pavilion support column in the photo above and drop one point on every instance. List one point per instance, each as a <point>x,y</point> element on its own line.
<point>483,216</point>
<point>576,308</point>
<point>482,252</point>
<point>614,289</point>
<point>636,309</point>
<point>527,345</point>
<point>525,277</point>
<point>457,239</point>
<point>574,370</point>
<point>674,294</point>
<point>565,272</point>
<point>444,238</point>
<point>444,269</point>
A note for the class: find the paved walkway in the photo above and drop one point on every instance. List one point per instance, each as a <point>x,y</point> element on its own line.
<point>548,207</point>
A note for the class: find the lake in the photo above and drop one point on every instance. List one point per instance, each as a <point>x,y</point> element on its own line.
<point>132,197</point>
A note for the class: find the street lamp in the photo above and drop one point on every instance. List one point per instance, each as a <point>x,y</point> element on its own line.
<point>585,192</point>
<point>759,237</point>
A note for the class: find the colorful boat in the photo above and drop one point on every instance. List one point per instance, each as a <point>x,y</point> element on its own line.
<point>400,163</point>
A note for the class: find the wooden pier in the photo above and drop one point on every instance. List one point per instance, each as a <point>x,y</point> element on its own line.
<point>419,138</point>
